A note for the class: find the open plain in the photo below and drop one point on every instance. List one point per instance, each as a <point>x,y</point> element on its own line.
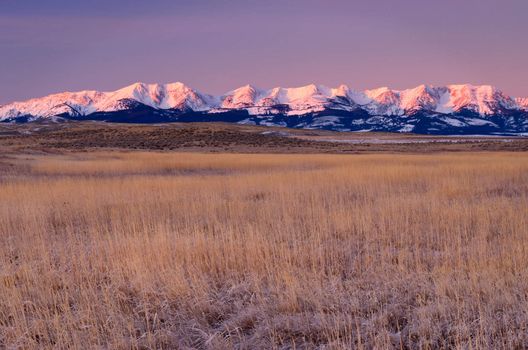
<point>124,248</point>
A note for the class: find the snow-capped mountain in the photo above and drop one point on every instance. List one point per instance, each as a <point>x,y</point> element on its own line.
<point>425,109</point>
<point>483,100</point>
<point>83,103</point>
<point>523,103</point>
<point>159,96</point>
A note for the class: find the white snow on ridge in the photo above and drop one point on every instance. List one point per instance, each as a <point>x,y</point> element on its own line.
<point>326,121</point>
<point>444,103</point>
<point>478,122</point>
<point>453,121</point>
<point>159,96</point>
<point>66,102</point>
<point>484,100</point>
<point>407,128</point>
<point>523,103</point>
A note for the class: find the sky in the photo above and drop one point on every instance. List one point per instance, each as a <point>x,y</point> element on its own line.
<point>215,46</point>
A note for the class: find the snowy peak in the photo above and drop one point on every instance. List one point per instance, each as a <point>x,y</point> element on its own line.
<point>421,97</point>
<point>341,91</point>
<point>522,103</point>
<point>245,96</point>
<point>383,101</point>
<point>304,96</point>
<point>75,103</point>
<point>482,100</point>
<point>297,98</point>
<point>159,96</point>
<point>384,96</point>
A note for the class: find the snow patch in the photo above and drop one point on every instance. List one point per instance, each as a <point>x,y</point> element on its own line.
<point>478,122</point>
<point>453,121</point>
<point>326,121</point>
<point>407,128</point>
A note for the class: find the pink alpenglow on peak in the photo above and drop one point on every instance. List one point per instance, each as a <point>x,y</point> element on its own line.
<point>337,106</point>
<point>245,96</point>
<point>522,102</point>
<point>160,96</point>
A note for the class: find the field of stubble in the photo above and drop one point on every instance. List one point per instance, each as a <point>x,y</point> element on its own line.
<point>144,250</point>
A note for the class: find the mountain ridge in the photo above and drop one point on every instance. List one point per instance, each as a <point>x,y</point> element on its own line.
<point>459,108</point>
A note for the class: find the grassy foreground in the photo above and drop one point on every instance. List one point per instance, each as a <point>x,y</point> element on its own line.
<point>163,250</point>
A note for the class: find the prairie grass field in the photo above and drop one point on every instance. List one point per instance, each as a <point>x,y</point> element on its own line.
<point>162,250</point>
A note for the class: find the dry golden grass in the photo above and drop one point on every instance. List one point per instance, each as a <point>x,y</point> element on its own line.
<point>164,250</point>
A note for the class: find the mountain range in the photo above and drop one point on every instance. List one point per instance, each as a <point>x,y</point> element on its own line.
<point>451,109</point>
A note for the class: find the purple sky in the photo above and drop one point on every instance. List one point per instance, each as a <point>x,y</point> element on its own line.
<point>213,46</point>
